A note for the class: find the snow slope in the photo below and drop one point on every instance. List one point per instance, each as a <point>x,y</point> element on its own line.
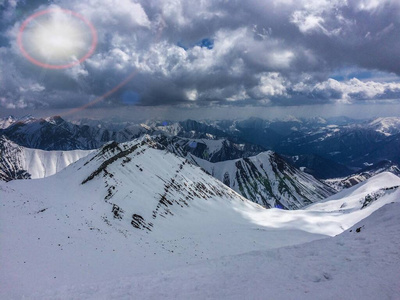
<point>40,163</point>
<point>361,263</point>
<point>354,198</point>
<point>126,209</point>
<point>36,163</point>
<point>349,181</point>
<point>127,220</point>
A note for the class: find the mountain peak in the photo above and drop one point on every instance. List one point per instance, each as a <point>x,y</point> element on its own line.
<point>7,121</point>
<point>386,125</point>
<point>54,120</point>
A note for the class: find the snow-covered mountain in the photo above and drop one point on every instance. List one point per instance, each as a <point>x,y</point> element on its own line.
<point>265,179</point>
<point>268,179</point>
<point>6,122</point>
<point>133,220</point>
<point>329,146</point>
<point>55,133</point>
<point>387,126</point>
<point>213,150</point>
<point>17,162</point>
<point>377,190</point>
<point>346,182</point>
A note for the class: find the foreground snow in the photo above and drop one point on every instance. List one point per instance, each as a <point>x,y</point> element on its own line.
<point>361,263</point>
<point>71,235</point>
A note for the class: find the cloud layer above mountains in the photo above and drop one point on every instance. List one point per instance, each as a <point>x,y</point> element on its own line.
<point>213,52</point>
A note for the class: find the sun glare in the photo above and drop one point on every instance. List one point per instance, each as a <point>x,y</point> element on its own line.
<point>57,39</point>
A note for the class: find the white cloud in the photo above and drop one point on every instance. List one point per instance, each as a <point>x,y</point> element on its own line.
<point>308,22</point>
<point>275,52</point>
<point>32,87</point>
<point>321,16</point>
<point>239,95</point>
<point>192,95</point>
<point>271,85</point>
<point>9,104</point>
<point>373,5</point>
<point>125,13</point>
<point>350,90</point>
<point>77,72</point>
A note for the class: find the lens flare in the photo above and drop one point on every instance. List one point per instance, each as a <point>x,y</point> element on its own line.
<point>57,38</point>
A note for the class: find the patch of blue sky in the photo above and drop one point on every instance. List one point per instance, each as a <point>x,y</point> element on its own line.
<point>204,43</point>
<point>130,97</point>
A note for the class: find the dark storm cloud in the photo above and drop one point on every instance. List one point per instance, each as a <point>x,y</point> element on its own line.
<point>262,53</point>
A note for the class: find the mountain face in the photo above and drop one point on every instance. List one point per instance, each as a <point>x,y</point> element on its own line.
<point>213,150</point>
<point>57,134</point>
<point>343,145</point>
<point>195,129</point>
<point>17,162</point>
<point>6,122</point>
<point>386,150</point>
<point>268,180</point>
<point>263,177</point>
<point>145,184</point>
<point>318,166</point>
<point>361,176</point>
<point>11,161</point>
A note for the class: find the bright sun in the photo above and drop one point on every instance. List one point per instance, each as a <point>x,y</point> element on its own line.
<point>57,38</point>
<point>58,41</point>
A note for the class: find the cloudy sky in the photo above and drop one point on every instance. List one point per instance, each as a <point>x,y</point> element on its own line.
<point>160,55</point>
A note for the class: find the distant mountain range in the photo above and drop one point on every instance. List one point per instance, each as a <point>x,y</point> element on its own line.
<point>325,148</point>
<point>57,134</point>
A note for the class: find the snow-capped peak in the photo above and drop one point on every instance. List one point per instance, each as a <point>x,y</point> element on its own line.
<point>386,125</point>
<point>6,122</point>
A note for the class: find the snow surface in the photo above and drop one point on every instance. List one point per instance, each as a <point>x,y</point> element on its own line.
<point>60,238</point>
<point>353,265</point>
<point>361,263</point>
<point>40,163</point>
